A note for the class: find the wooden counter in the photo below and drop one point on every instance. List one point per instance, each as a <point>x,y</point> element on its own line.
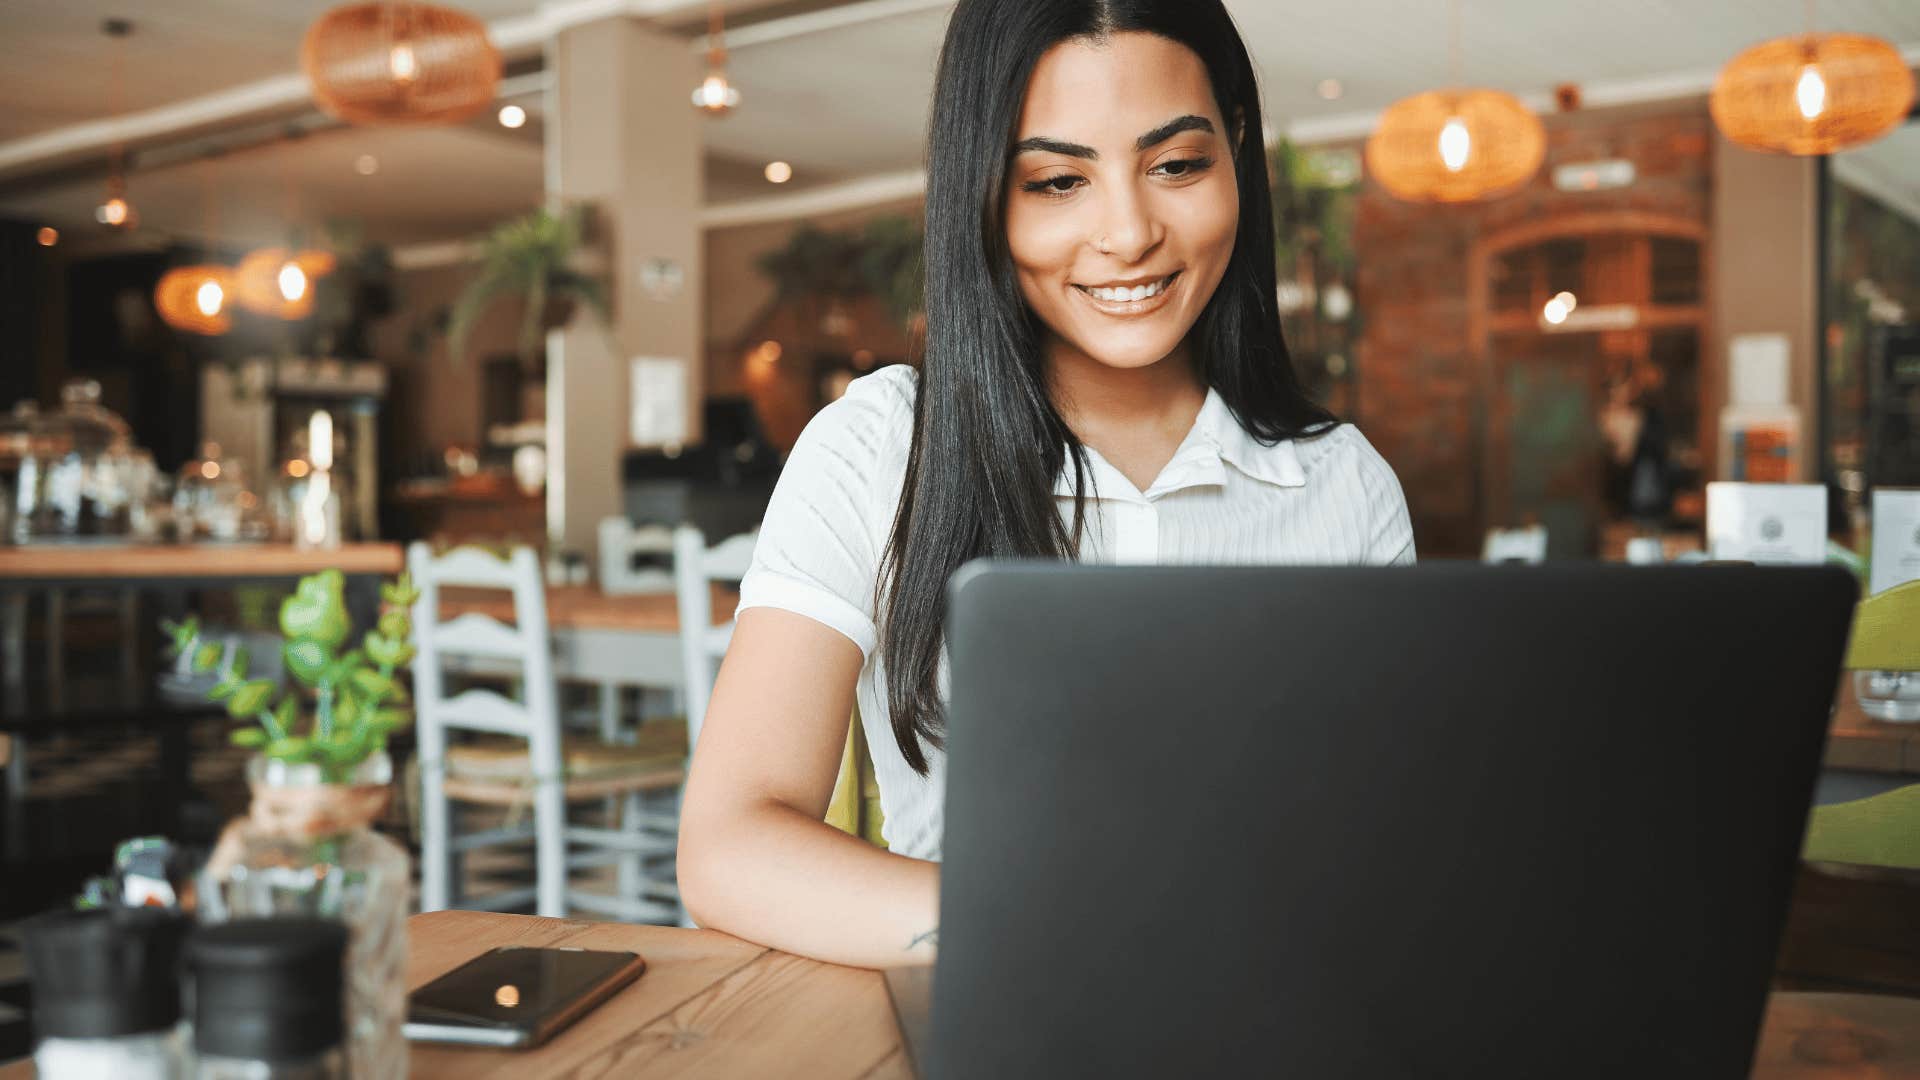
<point>36,565</point>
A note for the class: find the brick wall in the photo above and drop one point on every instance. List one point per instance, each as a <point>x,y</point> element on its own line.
<point>1416,391</point>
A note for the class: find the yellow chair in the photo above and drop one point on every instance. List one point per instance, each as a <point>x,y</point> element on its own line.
<point>1883,830</point>
<point>855,806</point>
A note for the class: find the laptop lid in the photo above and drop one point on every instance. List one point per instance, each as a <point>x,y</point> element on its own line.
<point>1445,820</point>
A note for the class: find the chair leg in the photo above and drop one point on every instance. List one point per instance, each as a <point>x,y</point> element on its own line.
<point>550,848</point>
<point>436,842</point>
<point>632,877</point>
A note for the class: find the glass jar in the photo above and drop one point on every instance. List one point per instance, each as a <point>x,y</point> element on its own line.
<point>1892,696</point>
<point>307,849</point>
<point>77,471</point>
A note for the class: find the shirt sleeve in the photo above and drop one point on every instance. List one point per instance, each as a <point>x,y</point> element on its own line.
<point>1390,542</point>
<point>819,550</point>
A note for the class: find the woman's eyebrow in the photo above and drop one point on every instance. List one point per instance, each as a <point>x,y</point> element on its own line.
<point>1152,138</point>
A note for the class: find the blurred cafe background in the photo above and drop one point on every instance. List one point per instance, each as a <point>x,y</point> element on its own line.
<point>286,277</point>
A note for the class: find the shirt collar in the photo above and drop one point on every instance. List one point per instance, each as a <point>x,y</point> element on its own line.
<point>1216,441</point>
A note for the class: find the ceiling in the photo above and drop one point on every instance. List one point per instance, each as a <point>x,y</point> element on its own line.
<point>837,101</point>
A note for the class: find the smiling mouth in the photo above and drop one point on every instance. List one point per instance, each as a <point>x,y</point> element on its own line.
<point>1138,294</point>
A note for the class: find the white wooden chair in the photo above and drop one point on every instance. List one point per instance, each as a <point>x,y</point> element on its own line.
<point>530,762</point>
<point>622,543</point>
<point>695,568</point>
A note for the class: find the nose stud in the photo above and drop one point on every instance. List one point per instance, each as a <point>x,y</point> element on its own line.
<point>1103,247</point>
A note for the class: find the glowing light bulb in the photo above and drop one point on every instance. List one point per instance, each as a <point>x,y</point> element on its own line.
<point>49,236</point>
<point>1810,93</point>
<point>113,211</point>
<point>1455,144</point>
<point>1566,300</point>
<point>401,63</point>
<point>512,116</point>
<point>208,298</point>
<point>779,172</point>
<point>293,281</point>
<point>715,94</point>
<point>1555,312</point>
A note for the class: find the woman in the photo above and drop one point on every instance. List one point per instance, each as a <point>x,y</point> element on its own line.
<point>1104,379</point>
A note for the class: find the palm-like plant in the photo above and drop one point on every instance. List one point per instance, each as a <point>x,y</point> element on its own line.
<point>533,257</point>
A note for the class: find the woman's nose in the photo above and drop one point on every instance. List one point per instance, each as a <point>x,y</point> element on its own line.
<point>1128,229</point>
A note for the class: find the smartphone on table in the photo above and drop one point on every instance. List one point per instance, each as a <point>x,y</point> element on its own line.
<point>517,996</point>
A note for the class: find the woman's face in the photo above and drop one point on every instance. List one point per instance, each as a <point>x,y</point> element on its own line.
<point>1121,198</point>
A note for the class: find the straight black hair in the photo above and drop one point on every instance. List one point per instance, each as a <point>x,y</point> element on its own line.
<point>987,439</point>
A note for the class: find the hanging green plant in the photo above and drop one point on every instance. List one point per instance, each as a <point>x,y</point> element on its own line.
<point>343,704</point>
<point>883,260</point>
<point>536,258</point>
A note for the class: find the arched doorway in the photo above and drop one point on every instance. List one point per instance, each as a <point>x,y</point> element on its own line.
<point>1553,375</point>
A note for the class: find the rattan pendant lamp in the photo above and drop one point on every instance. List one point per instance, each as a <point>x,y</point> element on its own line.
<point>1458,144</point>
<point>198,299</point>
<point>396,62</point>
<point>1812,93</point>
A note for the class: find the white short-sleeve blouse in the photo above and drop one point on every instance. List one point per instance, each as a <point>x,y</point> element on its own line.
<point>1224,498</point>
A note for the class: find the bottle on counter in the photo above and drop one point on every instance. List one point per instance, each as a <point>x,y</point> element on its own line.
<point>268,996</point>
<point>106,993</point>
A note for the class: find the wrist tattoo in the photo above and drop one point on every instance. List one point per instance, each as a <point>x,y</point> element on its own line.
<point>931,937</point>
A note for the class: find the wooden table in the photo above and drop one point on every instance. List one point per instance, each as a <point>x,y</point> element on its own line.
<point>49,565</point>
<point>611,640</point>
<point>709,1005</point>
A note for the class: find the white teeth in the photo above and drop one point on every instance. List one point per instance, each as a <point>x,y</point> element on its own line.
<point>1126,295</point>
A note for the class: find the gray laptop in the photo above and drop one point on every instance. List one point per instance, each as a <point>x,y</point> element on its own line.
<point>1444,821</point>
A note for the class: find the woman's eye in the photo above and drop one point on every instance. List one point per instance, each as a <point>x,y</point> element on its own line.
<point>1184,167</point>
<point>1054,186</point>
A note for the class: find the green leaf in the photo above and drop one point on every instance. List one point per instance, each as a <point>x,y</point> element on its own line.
<point>307,660</point>
<point>239,668</point>
<point>250,698</point>
<point>223,689</point>
<point>206,657</point>
<point>396,624</point>
<point>184,634</point>
<point>247,736</point>
<point>382,649</point>
<point>391,719</point>
<point>317,611</point>
<point>377,686</point>
<point>286,714</point>
<point>291,748</point>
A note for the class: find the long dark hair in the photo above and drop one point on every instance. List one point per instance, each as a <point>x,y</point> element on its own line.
<point>987,440</point>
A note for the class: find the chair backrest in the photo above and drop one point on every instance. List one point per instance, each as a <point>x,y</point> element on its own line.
<point>523,649</point>
<point>695,568</point>
<point>1886,630</point>
<point>622,543</point>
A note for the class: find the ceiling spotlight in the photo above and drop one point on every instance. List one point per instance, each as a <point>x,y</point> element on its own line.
<point>1330,89</point>
<point>366,164</point>
<point>1555,312</point>
<point>779,172</point>
<point>49,236</point>
<point>115,213</point>
<point>512,116</point>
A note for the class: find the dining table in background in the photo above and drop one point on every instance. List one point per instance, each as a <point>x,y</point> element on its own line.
<point>610,640</point>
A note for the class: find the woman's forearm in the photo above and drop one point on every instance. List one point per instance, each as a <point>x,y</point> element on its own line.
<point>776,876</point>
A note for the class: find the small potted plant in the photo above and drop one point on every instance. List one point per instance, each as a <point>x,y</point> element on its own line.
<point>319,780</point>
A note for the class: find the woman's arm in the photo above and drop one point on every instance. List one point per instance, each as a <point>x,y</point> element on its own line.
<point>756,859</point>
